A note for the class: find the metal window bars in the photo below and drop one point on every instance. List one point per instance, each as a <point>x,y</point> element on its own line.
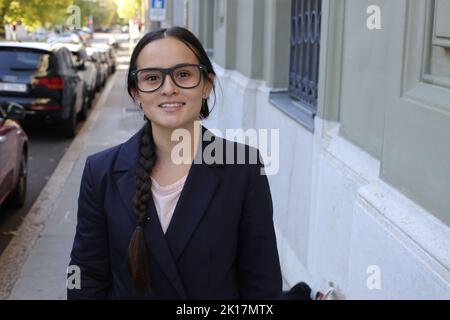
<point>304,51</point>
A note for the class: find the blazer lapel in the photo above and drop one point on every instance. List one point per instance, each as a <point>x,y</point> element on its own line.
<point>198,190</point>
<point>156,242</point>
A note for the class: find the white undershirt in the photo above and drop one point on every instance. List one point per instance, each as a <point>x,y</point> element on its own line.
<point>165,199</point>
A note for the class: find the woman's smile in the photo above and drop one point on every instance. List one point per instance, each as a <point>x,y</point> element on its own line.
<point>171,106</point>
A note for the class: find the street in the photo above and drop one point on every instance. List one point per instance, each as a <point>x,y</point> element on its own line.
<point>346,104</point>
<point>45,151</point>
<point>33,264</point>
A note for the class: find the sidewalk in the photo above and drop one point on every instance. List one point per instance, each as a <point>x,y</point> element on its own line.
<point>34,264</point>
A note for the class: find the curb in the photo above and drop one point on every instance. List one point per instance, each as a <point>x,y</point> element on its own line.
<point>21,245</point>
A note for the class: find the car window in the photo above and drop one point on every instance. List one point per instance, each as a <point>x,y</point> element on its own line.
<point>75,57</point>
<point>2,113</point>
<point>67,58</point>
<point>23,60</point>
<point>83,54</point>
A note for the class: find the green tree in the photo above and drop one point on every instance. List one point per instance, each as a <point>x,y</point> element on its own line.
<point>4,6</point>
<point>45,13</point>
<point>128,9</point>
<point>34,13</point>
<point>104,12</point>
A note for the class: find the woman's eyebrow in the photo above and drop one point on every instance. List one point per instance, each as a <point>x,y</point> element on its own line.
<point>173,66</point>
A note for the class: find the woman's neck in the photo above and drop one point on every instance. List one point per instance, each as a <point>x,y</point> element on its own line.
<point>164,144</point>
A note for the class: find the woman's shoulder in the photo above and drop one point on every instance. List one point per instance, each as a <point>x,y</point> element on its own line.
<point>104,163</point>
<point>117,156</point>
<point>232,151</point>
<point>104,157</point>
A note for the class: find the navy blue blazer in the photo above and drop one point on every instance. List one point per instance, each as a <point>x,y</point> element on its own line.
<point>220,243</point>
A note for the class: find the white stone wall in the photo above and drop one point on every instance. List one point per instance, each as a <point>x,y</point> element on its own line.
<point>337,223</point>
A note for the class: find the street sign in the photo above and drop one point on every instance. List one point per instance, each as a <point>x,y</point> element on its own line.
<point>158,10</point>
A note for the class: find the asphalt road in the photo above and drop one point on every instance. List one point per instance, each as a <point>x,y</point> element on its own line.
<point>45,150</point>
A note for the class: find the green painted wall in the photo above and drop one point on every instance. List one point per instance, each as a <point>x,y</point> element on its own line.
<point>225,29</point>
<point>276,43</point>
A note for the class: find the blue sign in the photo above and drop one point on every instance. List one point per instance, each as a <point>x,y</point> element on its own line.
<point>158,4</point>
<point>158,10</point>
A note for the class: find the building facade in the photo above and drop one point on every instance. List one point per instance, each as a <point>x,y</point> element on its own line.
<point>360,93</point>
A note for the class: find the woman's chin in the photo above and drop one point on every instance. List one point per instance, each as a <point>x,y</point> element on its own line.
<point>171,123</point>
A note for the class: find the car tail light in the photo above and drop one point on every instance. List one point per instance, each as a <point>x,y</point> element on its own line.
<point>51,83</point>
<point>45,107</point>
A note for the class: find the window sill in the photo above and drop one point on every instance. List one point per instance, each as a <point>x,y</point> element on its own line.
<point>297,111</point>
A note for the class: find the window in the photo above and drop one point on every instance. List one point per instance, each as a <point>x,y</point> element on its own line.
<point>304,51</point>
<point>22,60</point>
<point>67,56</point>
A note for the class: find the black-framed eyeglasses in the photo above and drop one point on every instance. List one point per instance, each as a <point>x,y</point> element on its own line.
<point>185,76</point>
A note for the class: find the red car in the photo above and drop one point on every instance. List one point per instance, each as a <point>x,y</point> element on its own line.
<point>13,155</point>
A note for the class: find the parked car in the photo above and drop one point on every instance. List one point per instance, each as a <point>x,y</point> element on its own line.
<point>110,55</point>
<point>102,67</point>
<point>42,78</point>
<point>112,41</point>
<point>86,69</point>
<point>13,155</point>
<point>40,34</point>
<point>67,37</point>
<point>103,59</point>
<point>101,29</point>
<point>105,62</point>
<point>88,31</point>
<point>85,34</point>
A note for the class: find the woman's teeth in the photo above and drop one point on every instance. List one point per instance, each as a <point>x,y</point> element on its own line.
<point>171,105</point>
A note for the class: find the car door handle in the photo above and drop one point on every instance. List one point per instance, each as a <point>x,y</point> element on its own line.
<point>2,139</point>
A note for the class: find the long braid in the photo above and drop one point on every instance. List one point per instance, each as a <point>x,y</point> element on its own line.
<point>138,259</point>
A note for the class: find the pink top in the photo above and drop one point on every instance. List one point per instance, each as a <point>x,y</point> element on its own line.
<point>165,199</point>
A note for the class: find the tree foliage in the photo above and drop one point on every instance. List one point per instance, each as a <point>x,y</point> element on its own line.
<point>128,9</point>
<point>104,12</point>
<point>48,13</point>
<point>34,13</point>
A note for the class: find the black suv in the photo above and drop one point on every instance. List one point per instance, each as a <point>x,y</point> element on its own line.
<point>43,78</point>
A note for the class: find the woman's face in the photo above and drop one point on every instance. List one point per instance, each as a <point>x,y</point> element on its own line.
<point>165,53</point>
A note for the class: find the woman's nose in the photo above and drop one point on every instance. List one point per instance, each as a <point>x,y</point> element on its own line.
<point>169,87</point>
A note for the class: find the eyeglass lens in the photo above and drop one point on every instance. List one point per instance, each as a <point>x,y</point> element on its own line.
<point>185,77</point>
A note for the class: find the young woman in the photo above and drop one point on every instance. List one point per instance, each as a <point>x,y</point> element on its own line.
<point>150,227</point>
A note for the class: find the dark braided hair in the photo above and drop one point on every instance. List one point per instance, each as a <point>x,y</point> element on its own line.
<point>138,257</point>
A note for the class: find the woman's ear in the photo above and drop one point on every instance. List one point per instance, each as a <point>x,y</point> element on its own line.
<point>208,86</point>
<point>135,96</point>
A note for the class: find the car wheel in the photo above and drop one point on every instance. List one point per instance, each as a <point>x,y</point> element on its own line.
<point>18,196</point>
<point>68,126</point>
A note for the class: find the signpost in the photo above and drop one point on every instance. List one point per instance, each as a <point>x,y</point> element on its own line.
<point>158,10</point>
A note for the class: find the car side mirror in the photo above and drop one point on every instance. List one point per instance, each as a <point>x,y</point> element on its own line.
<point>12,110</point>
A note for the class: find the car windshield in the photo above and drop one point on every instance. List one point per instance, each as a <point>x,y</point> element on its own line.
<point>17,60</point>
